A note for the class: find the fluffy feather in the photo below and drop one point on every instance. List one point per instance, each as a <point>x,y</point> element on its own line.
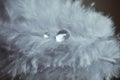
<point>90,53</point>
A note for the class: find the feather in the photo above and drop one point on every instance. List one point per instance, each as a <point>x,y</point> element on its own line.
<point>57,40</point>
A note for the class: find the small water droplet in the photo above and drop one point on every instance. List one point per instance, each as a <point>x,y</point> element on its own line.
<point>46,35</point>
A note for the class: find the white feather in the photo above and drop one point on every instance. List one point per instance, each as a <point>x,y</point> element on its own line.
<point>86,55</point>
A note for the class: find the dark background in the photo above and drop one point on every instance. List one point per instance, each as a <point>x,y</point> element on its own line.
<point>108,7</point>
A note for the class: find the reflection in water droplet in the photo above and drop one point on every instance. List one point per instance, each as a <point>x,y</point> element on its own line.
<point>62,35</point>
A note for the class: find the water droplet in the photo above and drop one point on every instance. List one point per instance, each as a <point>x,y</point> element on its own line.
<point>46,35</point>
<point>62,35</point>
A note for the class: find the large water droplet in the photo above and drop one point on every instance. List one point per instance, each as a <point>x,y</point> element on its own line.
<point>62,35</point>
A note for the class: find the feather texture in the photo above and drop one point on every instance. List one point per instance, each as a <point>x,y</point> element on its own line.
<point>90,53</point>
